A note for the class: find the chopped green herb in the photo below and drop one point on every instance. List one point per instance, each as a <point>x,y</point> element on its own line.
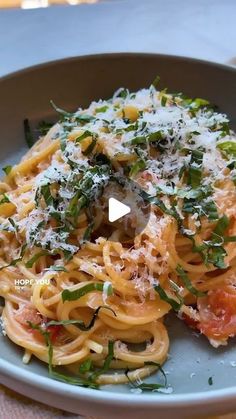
<point>195,168</point>
<point>123,93</point>
<point>72,380</point>
<point>228,148</point>
<point>210,381</point>
<point>187,282</point>
<point>156,81</point>
<point>44,127</point>
<point>91,147</point>
<point>163,100</point>
<point>216,256</point>
<point>5,199</point>
<point>102,109</point>
<point>107,362</point>
<point>223,127</point>
<point>58,376</point>
<point>28,133</point>
<point>88,232</point>
<point>37,256</point>
<point>100,159</point>
<point>156,364</point>
<point>212,250</point>
<point>151,138</point>
<point>7,169</point>
<point>221,226</point>
<point>160,204</point>
<point>176,305</point>
<point>15,261</point>
<point>137,167</point>
<point>148,386</point>
<point>75,205</point>
<point>68,295</point>
<point>86,366</point>
<point>12,263</point>
<point>85,134</point>
<point>61,111</point>
<point>201,204</point>
<point>63,142</point>
<point>14,225</point>
<point>83,118</point>
<point>79,323</point>
<point>194,105</point>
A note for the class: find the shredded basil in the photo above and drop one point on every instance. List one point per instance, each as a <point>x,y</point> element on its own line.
<point>148,386</point>
<point>160,204</point>
<point>15,261</point>
<point>82,382</point>
<point>187,282</point>
<point>58,376</point>
<point>210,381</point>
<point>85,134</point>
<point>5,199</point>
<point>102,109</point>
<point>61,111</point>
<point>44,127</point>
<point>88,232</point>
<point>221,226</point>
<point>86,366</point>
<point>107,362</point>
<point>176,305</point>
<point>12,263</point>
<point>28,133</point>
<point>137,167</point>
<point>7,169</point>
<point>143,139</point>
<point>201,204</point>
<point>46,193</point>
<point>37,256</point>
<point>68,295</point>
<point>79,323</point>
<point>91,147</point>
<point>156,81</point>
<point>195,168</point>
<point>212,250</point>
<point>194,105</point>
<point>84,118</point>
<point>156,364</point>
<point>123,93</point>
<point>228,148</point>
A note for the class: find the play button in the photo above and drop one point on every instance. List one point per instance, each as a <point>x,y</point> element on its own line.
<point>116,210</point>
<point>121,213</point>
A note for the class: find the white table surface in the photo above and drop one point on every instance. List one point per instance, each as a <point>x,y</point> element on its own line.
<point>199,28</point>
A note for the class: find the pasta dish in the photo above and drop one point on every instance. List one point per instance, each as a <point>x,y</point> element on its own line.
<point>88,296</point>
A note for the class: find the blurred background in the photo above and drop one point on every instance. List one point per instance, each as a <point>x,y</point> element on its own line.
<point>33,4</point>
<point>37,31</point>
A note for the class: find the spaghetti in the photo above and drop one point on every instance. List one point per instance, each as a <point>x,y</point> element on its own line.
<point>82,293</point>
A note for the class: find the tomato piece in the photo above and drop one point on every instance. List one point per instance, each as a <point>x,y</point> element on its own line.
<point>218,313</point>
<point>54,332</point>
<point>27,313</point>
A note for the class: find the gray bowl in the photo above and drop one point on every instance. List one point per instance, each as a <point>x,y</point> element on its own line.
<point>76,82</point>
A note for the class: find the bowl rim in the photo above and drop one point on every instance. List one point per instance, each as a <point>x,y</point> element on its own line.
<point>210,397</point>
<point>40,382</point>
<point>110,55</point>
